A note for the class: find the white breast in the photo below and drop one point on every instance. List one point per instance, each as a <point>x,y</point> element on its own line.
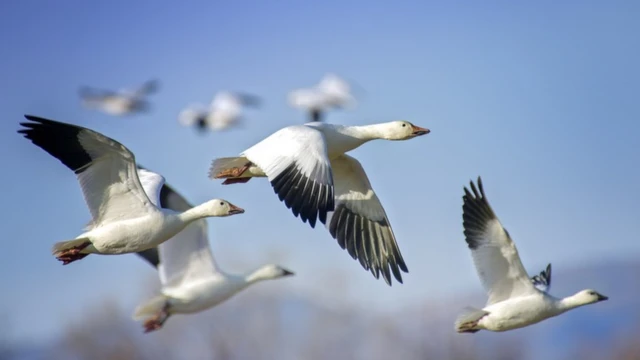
<point>132,235</point>
<point>201,295</point>
<point>517,312</point>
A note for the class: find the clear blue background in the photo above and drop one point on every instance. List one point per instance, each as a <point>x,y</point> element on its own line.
<point>539,98</point>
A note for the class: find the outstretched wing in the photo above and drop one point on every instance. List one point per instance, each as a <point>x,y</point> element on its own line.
<point>296,163</point>
<point>308,99</point>
<point>360,224</point>
<point>187,256</point>
<point>249,100</point>
<point>147,88</point>
<point>105,169</point>
<point>494,253</point>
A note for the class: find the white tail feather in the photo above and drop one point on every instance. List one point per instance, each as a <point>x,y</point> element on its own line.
<point>469,315</point>
<point>150,308</point>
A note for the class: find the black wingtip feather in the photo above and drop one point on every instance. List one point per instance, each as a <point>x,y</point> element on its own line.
<point>58,139</point>
<point>309,200</point>
<point>544,278</point>
<point>371,243</point>
<point>476,212</point>
<point>547,274</point>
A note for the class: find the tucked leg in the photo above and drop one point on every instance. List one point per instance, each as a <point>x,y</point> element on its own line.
<point>233,172</point>
<point>155,323</point>
<point>236,181</point>
<point>72,254</point>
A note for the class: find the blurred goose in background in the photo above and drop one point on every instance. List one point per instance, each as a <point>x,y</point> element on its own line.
<point>224,111</point>
<point>331,92</point>
<point>122,102</point>
<point>191,279</point>
<point>310,172</point>
<point>515,301</point>
<point>125,219</point>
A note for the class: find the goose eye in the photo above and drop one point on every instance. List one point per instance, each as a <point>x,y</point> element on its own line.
<point>404,125</point>
<point>221,203</point>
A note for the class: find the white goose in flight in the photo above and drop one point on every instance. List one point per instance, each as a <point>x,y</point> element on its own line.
<point>224,111</point>
<point>310,172</point>
<point>331,92</point>
<point>125,220</point>
<point>119,103</point>
<point>191,279</point>
<point>515,301</point>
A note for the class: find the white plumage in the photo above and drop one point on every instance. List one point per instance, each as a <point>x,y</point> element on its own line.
<point>515,300</point>
<point>122,102</point>
<point>124,218</point>
<point>224,111</point>
<point>310,173</point>
<point>331,92</point>
<point>191,279</point>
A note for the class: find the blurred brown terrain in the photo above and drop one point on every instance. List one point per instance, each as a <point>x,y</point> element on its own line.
<point>266,322</point>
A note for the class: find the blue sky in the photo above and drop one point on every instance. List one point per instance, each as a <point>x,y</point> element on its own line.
<point>539,98</point>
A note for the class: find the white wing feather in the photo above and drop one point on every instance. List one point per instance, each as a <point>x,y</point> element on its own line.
<point>296,163</point>
<point>494,253</point>
<point>110,184</point>
<point>105,169</point>
<point>307,99</point>
<point>360,224</point>
<point>151,183</point>
<point>187,256</point>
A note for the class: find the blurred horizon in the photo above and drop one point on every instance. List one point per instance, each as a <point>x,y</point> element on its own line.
<point>539,99</point>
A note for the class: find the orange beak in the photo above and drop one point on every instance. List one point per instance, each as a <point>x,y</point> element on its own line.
<point>233,210</point>
<point>417,130</point>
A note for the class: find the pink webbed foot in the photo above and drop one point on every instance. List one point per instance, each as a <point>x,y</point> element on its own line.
<point>156,322</point>
<point>152,325</point>
<point>70,255</point>
<point>230,181</point>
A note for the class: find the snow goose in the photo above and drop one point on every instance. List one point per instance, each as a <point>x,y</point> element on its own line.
<point>224,111</point>
<point>331,92</point>
<point>515,301</point>
<point>119,103</point>
<point>309,171</point>
<point>125,220</point>
<point>191,279</point>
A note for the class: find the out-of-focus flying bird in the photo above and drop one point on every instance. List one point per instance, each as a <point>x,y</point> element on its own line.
<point>311,174</point>
<point>122,102</point>
<point>331,93</point>
<point>191,279</point>
<point>123,201</point>
<point>224,111</point>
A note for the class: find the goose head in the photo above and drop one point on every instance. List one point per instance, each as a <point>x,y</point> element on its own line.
<point>269,272</point>
<point>220,208</point>
<point>589,296</point>
<point>402,130</point>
